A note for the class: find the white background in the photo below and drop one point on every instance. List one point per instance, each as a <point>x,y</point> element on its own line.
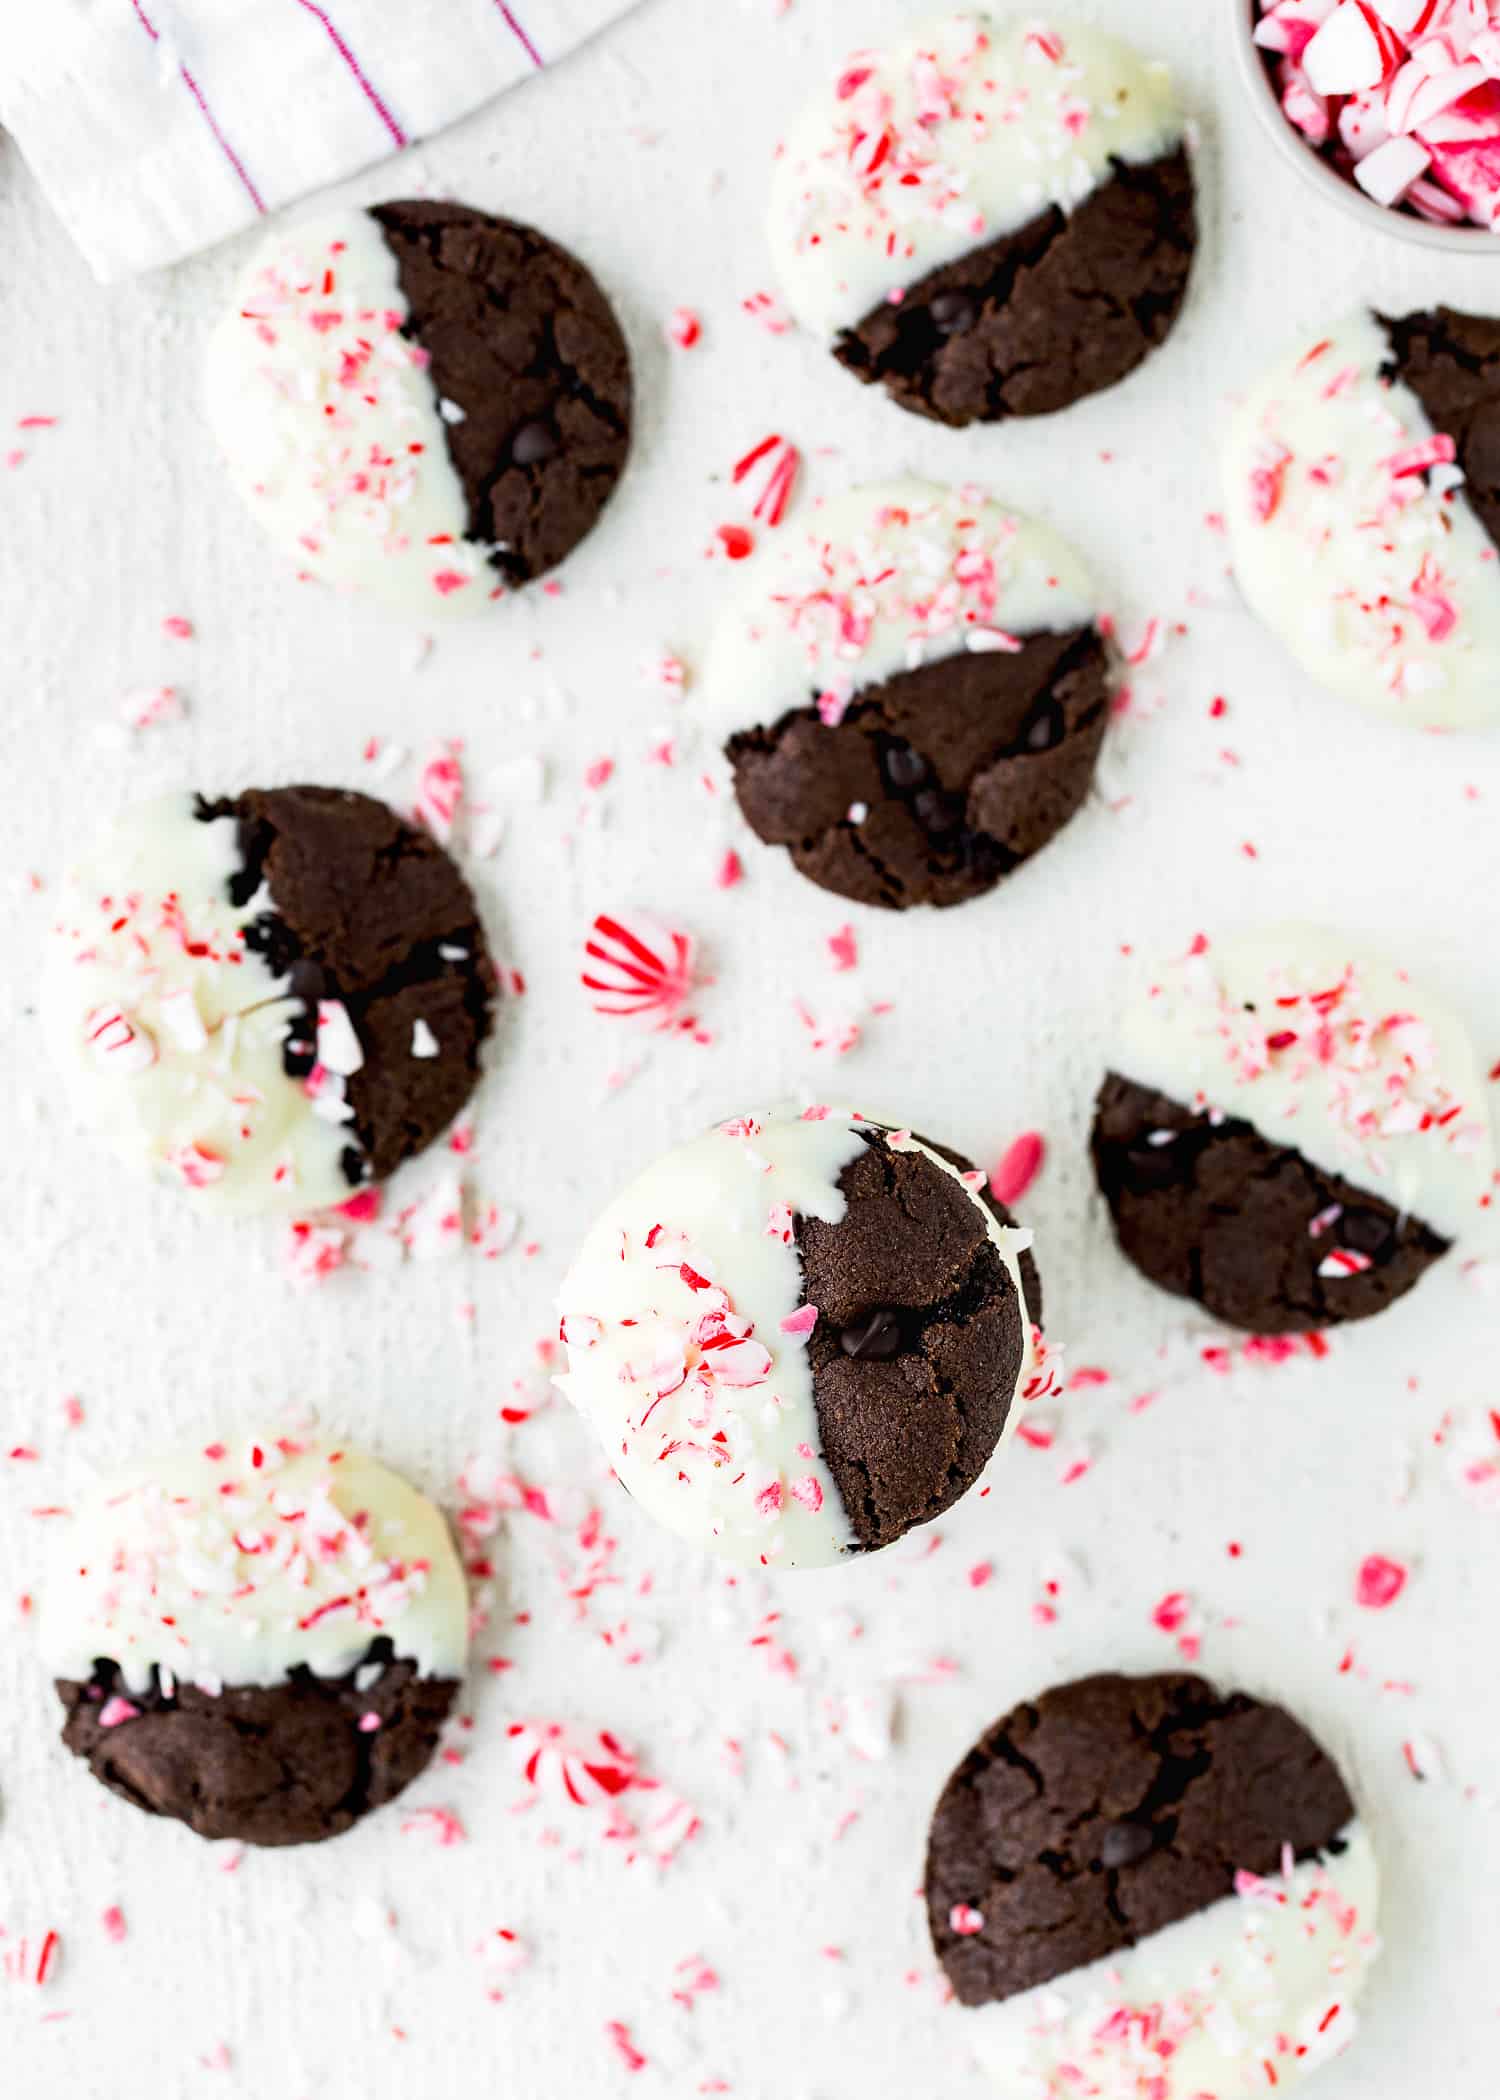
<point>648,154</point>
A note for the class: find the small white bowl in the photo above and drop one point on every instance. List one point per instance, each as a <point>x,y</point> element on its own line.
<point>1321,174</point>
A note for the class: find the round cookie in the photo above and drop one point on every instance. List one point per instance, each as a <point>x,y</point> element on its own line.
<point>1292,1134</point>
<point>914,689</point>
<point>1362,479</point>
<point>269,1001</point>
<point>988,219</point>
<point>421,402</point>
<point>798,1337</point>
<point>261,1643</point>
<point>1140,1886</point>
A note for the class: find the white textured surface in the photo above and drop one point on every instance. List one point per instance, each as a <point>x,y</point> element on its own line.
<point>1000,1018</point>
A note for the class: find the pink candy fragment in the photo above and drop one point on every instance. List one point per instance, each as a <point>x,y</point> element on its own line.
<point>1010,1180</point>
<point>1379,1583</point>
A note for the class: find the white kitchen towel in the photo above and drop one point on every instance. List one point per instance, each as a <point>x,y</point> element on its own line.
<point>158,127</point>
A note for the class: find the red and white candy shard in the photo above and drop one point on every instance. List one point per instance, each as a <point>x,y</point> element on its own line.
<point>331,426</point>
<point>1240,2000</point>
<point>1336,1056</point>
<point>235,1565</point>
<point>170,1029</point>
<point>953,138</point>
<point>686,1335</point>
<point>1401,95</point>
<point>881,581</point>
<point>637,968</point>
<point>1354,540</point>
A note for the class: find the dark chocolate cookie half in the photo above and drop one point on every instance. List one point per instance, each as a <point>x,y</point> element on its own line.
<point>1030,323</point>
<point>1107,1810</point>
<point>989,218</point>
<point>938,783</point>
<point>364,913</point>
<point>921,1337</point>
<point>1255,1233</point>
<point>526,347</point>
<point>286,1764</point>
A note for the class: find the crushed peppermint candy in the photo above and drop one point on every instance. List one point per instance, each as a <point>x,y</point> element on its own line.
<point>1402,97</point>
<point>637,968</point>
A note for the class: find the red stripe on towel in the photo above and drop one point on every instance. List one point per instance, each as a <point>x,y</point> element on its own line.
<point>208,116</point>
<point>367,88</point>
<point>517,31</point>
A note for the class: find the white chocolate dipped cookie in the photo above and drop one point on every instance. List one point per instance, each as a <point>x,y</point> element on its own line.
<point>988,218</point>
<point>801,1335</point>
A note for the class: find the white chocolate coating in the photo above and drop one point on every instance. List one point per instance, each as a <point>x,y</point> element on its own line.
<point>331,427</point>
<point>1337,1056</point>
<point>225,1567</point>
<point>170,1030</point>
<point>1243,1999</point>
<point>673,1316</point>
<point>957,136</point>
<point>883,580</point>
<point>1375,572</point>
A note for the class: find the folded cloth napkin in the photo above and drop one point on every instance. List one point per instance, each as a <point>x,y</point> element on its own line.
<point>158,127</point>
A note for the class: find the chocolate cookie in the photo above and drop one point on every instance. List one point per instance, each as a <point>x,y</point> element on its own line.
<point>1293,1138</point>
<point>1363,500</point>
<point>920,687</point>
<point>989,220</point>
<point>798,1338</point>
<point>270,1000</point>
<point>284,1764</point>
<point>422,401</point>
<point>263,1645</point>
<point>1142,1878</point>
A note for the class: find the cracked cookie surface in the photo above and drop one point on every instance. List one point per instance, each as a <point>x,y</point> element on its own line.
<point>1069,304</point>
<point>365,909</point>
<point>920,1339</point>
<point>1108,1809</point>
<point>1209,1210</point>
<point>525,345</point>
<point>964,769</point>
<point>285,1764</point>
